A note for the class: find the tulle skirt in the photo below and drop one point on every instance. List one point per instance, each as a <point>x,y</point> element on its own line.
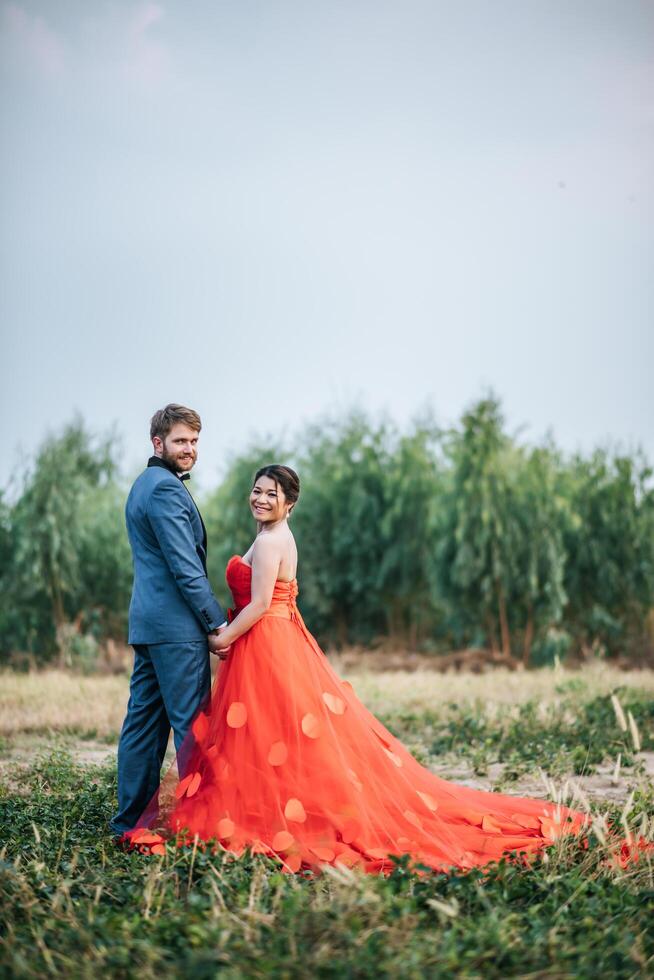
<point>286,761</point>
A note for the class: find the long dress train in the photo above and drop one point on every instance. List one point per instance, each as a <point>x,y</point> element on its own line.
<point>286,761</point>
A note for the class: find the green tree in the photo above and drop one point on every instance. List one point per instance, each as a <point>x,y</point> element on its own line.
<point>339,525</point>
<point>7,609</point>
<point>104,564</point>
<point>475,526</point>
<point>609,542</point>
<point>413,484</point>
<point>44,578</point>
<point>537,595</point>
<point>501,555</point>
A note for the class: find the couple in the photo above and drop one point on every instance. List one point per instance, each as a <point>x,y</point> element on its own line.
<point>281,758</point>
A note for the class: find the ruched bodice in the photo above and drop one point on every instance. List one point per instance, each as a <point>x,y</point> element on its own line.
<point>239,579</point>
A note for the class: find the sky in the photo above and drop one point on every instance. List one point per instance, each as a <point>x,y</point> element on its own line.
<point>272,211</point>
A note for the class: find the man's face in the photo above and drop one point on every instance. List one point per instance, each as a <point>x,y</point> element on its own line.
<point>180,447</point>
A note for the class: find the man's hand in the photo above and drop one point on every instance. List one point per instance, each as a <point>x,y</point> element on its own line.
<point>218,644</point>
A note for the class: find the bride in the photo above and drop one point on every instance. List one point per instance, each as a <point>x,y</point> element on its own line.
<point>286,761</point>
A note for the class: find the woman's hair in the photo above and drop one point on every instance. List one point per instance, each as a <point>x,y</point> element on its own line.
<point>162,421</point>
<point>284,477</point>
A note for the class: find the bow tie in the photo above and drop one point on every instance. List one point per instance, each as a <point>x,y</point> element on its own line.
<point>184,476</point>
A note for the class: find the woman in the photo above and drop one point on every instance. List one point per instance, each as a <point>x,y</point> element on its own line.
<point>287,762</point>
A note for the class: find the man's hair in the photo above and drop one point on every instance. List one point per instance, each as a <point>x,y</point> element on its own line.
<point>162,421</point>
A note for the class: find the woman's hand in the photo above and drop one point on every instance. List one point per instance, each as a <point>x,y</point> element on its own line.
<point>220,643</point>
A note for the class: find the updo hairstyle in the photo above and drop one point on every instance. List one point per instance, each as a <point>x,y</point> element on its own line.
<point>284,477</point>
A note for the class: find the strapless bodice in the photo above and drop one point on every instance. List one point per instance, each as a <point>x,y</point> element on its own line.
<point>239,579</point>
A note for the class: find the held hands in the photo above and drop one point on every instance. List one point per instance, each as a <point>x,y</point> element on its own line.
<point>219,644</point>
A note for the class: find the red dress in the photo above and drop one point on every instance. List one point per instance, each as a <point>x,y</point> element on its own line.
<point>286,761</point>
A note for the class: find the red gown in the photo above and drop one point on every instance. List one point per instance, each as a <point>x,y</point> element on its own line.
<point>286,761</point>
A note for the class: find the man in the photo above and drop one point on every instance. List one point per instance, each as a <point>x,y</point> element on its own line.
<point>174,617</point>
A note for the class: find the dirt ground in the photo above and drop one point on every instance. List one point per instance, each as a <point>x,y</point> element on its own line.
<point>21,750</point>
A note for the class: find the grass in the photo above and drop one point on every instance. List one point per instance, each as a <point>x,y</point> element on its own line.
<point>75,906</point>
<point>56,701</point>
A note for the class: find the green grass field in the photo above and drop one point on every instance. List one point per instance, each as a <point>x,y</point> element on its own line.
<point>75,906</point>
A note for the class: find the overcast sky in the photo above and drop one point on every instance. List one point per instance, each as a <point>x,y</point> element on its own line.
<point>271,210</point>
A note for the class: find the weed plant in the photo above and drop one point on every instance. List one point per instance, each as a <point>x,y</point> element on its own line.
<point>565,736</point>
<point>74,905</point>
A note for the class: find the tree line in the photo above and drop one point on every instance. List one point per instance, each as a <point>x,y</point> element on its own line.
<point>436,539</point>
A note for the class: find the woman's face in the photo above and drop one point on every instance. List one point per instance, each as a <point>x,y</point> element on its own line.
<point>267,501</point>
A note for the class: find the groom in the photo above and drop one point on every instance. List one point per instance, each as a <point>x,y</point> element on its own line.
<point>174,617</point>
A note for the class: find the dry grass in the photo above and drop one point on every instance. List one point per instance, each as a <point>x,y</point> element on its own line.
<point>395,691</point>
<point>55,701</point>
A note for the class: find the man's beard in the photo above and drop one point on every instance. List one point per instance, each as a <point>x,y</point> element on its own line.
<point>173,460</point>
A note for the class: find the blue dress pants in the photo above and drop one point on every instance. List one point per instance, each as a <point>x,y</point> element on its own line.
<point>170,682</point>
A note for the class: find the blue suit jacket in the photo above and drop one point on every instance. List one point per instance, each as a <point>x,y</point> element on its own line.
<point>171,596</point>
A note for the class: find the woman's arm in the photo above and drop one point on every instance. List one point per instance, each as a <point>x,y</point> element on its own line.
<point>266,559</point>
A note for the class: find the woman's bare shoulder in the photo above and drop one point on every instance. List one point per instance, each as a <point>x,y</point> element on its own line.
<point>276,546</point>
<point>267,546</point>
